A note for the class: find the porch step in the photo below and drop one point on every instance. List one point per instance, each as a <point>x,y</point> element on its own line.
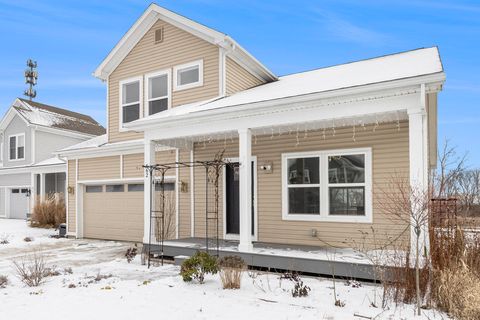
<point>179,260</point>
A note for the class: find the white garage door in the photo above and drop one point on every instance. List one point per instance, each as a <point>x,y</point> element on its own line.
<point>19,201</point>
<point>113,212</point>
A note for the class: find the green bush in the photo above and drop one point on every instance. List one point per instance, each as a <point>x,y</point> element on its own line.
<point>197,266</point>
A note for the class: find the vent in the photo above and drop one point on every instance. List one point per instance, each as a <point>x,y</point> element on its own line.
<point>159,35</point>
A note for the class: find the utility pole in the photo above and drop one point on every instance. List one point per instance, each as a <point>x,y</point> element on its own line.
<point>31,76</point>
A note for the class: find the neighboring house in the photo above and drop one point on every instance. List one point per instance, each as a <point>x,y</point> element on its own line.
<point>29,134</point>
<point>322,142</point>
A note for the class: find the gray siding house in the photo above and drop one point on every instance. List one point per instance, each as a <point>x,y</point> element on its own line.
<point>30,133</point>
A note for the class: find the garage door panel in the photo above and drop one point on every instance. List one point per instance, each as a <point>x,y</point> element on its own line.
<point>113,215</point>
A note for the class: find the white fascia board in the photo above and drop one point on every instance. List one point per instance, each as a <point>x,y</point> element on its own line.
<point>9,115</point>
<point>335,97</point>
<point>134,146</point>
<point>34,169</point>
<point>64,132</point>
<point>306,113</point>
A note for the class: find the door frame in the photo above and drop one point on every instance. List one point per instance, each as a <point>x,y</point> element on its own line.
<point>231,236</point>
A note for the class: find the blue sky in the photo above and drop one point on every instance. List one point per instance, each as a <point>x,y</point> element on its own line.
<point>70,38</point>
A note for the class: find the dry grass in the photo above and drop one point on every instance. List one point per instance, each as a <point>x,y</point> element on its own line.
<point>3,281</point>
<point>49,213</point>
<point>458,293</point>
<point>31,270</point>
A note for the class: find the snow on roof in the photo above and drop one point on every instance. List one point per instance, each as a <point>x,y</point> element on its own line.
<point>53,117</point>
<point>91,143</point>
<point>49,162</point>
<point>398,66</point>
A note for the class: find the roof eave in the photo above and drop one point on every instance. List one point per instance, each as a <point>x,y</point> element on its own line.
<point>435,78</point>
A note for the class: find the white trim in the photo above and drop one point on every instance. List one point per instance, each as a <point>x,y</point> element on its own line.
<point>324,215</point>
<point>229,236</point>
<point>138,79</point>
<point>177,193</point>
<point>67,196</point>
<point>192,196</point>
<point>147,77</point>
<point>151,15</point>
<point>32,143</point>
<point>121,166</point>
<point>189,65</point>
<point>113,181</point>
<point>63,132</point>
<point>16,147</point>
<point>222,73</point>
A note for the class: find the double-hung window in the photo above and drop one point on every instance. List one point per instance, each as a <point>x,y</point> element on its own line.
<point>157,91</point>
<point>189,75</point>
<point>16,147</point>
<point>327,185</point>
<point>130,97</point>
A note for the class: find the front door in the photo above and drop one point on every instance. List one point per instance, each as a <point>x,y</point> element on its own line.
<point>232,198</point>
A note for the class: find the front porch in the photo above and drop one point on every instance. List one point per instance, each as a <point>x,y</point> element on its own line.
<point>341,262</point>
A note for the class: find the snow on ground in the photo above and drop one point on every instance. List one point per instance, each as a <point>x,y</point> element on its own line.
<point>134,291</point>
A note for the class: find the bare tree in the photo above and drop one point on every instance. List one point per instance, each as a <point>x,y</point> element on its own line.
<point>410,204</point>
<point>450,167</point>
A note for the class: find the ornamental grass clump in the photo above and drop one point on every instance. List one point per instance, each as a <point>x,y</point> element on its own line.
<point>231,270</point>
<point>50,212</point>
<point>197,266</point>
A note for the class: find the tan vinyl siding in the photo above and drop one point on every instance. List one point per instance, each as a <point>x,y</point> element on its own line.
<point>178,47</point>
<point>101,168</point>
<point>71,183</point>
<point>389,157</point>
<point>132,165</point>
<point>239,79</point>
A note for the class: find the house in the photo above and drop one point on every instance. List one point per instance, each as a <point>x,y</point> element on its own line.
<point>29,134</point>
<point>321,143</point>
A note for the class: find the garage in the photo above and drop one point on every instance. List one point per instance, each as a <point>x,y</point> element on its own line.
<point>19,203</point>
<point>113,212</point>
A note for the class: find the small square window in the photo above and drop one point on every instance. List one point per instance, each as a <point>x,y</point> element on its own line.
<point>115,188</point>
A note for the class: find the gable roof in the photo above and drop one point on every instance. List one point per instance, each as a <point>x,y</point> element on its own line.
<point>412,65</point>
<point>153,13</point>
<point>39,114</point>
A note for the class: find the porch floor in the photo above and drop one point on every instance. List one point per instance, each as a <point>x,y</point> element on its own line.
<point>342,262</point>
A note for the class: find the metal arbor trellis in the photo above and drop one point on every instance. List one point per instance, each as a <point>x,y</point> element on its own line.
<point>158,228</point>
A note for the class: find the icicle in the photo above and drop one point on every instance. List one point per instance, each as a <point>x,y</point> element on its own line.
<point>305,133</point>
<point>225,141</point>
<point>255,138</point>
<point>271,138</point>
<point>353,137</point>
<point>333,128</point>
<point>298,140</point>
<point>323,133</point>
<point>398,121</point>
<point>376,124</point>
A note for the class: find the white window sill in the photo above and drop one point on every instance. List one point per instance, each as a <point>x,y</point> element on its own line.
<point>324,218</point>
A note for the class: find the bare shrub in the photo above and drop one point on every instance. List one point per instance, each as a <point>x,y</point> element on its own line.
<point>299,288</point>
<point>49,213</point>
<point>131,253</point>
<point>4,238</point>
<point>3,281</point>
<point>231,270</point>
<point>28,239</point>
<point>31,270</point>
<point>101,277</point>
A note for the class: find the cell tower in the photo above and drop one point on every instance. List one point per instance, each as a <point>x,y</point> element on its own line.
<point>31,76</point>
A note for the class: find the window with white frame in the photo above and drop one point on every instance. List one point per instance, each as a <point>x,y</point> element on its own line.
<point>130,96</point>
<point>327,185</point>
<point>188,75</point>
<point>16,147</point>
<point>158,92</point>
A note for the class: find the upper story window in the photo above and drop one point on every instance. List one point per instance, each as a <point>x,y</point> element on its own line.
<point>158,91</point>
<point>16,147</point>
<point>189,75</point>
<point>328,186</point>
<point>130,95</point>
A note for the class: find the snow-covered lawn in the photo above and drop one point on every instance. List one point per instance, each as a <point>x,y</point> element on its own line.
<point>135,292</point>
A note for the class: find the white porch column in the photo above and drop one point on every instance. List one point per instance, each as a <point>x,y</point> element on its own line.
<point>149,159</point>
<point>42,186</point>
<point>245,157</point>
<point>418,168</point>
